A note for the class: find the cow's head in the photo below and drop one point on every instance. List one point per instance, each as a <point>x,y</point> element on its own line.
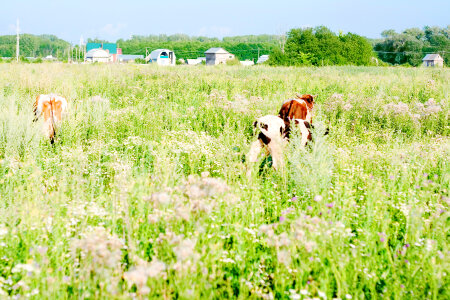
<point>270,127</point>
<point>308,98</point>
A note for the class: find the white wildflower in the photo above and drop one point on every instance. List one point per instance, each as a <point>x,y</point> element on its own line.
<point>28,268</point>
<point>185,249</point>
<point>103,248</point>
<point>3,230</point>
<point>284,257</point>
<point>322,294</point>
<point>160,198</point>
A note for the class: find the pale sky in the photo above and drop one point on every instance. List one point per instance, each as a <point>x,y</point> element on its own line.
<point>115,19</point>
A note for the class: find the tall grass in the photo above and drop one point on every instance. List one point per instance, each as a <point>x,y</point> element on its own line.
<point>145,192</point>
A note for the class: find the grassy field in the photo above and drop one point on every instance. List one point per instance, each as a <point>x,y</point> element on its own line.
<point>145,194</point>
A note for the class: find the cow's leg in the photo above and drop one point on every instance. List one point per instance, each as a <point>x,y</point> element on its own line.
<point>276,151</point>
<point>255,149</point>
<point>305,133</point>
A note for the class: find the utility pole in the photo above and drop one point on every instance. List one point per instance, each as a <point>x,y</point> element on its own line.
<point>17,43</point>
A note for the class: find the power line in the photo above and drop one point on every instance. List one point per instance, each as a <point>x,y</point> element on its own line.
<point>409,52</point>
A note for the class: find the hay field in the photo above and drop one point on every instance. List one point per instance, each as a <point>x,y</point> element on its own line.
<point>145,192</point>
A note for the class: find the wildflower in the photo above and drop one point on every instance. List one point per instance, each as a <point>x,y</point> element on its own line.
<point>309,246</point>
<point>429,244</point>
<point>139,275</point>
<point>183,212</point>
<point>102,247</point>
<point>99,98</point>
<point>3,230</point>
<point>348,296</point>
<point>287,211</point>
<point>329,205</point>
<point>430,102</point>
<point>382,236</point>
<point>294,295</point>
<point>266,229</point>
<point>299,234</point>
<point>293,199</point>
<point>322,294</point>
<point>400,108</point>
<point>185,249</point>
<point>160,198</point>
<point>284,257</point>
<point>347,106</point>
<point>283,240</point>
<point>227,260</point>
<point>318,198</point>
<point>304,292</point>
<point>28,268</point>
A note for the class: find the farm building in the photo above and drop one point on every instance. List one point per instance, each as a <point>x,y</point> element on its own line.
<point>433,60</point>
<point>98,55</point>
<point>111,48</point>
<point>216,56</point>
<point>162,57</point>
<point>49,58</point>
<point>247,62</point>
<point>195,61</point>
<point>262,59</point>
<point>126,58</point>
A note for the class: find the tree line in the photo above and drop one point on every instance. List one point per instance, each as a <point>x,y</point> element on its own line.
<point>411,45</point>
<point>33,46</point>
<point>320,46</point>
<point>299,47</point>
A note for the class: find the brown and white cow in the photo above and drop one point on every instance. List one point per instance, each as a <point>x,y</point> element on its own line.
<point>274,130</point>
<point>52,108</point>
<point>298,111</point>
<point>297,108</point>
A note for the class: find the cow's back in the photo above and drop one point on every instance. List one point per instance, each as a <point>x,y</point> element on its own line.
<point>293,109</point>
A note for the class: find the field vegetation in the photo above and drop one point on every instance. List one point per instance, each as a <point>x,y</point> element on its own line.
<point>146,192</point>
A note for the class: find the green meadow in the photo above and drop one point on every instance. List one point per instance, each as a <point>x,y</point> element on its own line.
<point>146,193</point>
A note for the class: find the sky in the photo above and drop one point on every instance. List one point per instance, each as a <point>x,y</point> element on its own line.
<point>113,19</point>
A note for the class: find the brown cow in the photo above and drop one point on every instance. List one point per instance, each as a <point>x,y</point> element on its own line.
<point>52,108</point>
<point>298,110</point>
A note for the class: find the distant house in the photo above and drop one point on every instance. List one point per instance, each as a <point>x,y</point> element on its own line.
<point>433,60</point>
<point>98,55</point>
<point>262,59</point>
<point>247,62</point>
<point>195,61</point>
<point>110,48</point>
<point>128,58</point>
<point>49,58</point>
<point>216,56</point>
<point>162,57</point>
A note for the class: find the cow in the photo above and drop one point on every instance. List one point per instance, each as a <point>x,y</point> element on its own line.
<point>297,108</point>
<point>274,131</point>
<point>52,108</point>
<point>270,138</point>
